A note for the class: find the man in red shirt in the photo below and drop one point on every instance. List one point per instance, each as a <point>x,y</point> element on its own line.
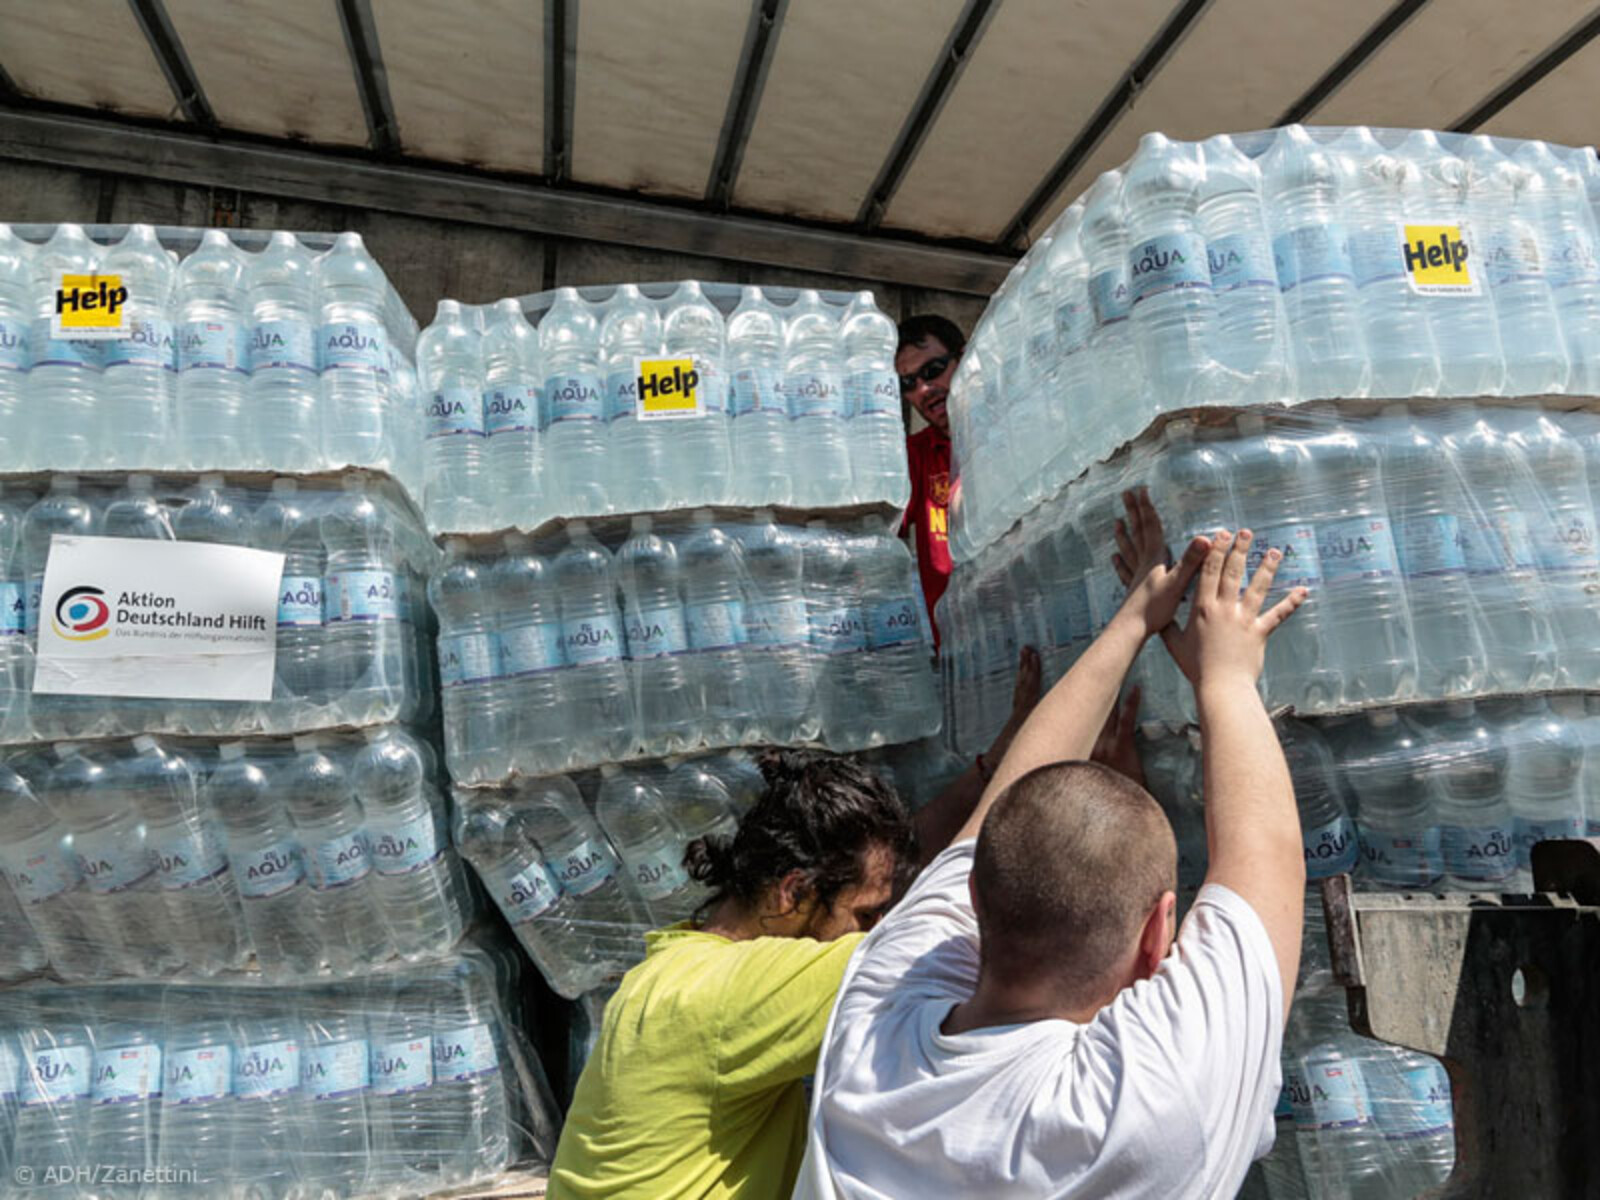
<point>930,348</point>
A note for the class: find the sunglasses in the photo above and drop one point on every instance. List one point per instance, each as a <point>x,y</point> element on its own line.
<point>926,373</point>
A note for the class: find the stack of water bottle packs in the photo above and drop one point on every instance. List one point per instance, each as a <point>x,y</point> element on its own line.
<point>1449,548</point>
<point>351,647</point>
<point>655,397</point>
<point>1269,268</point>
<point>406,1083</point>
<point>666,635</point>
<point>250,352</point>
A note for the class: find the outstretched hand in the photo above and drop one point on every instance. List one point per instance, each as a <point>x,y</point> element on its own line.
<point>1155,584</point>
<point>1227,631</point>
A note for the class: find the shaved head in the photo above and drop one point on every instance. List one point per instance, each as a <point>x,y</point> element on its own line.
<point>1072,859</point>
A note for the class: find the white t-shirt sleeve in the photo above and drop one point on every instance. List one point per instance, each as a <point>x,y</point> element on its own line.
<point>935,912</point>
<point>1206,1033</point>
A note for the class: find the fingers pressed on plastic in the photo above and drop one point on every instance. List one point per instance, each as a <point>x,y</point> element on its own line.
<point>1194,556</point>
<point>1154,537</point>
<point>1284,609</point>
<point>1211,569</point>
<point>1233,569</point>
<point>1130,554</point>
<point>1261,581</point>
<point>1128,713</point>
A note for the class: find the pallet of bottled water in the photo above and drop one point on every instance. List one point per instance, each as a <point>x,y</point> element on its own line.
<point>1277,267</point>
<point>325,855</point>
<point>662,635</point>
<point>653,397</point>
<point>1449,547</point>
<point>401,1084</point>
<point>128,347</point>
<point>351,644</point>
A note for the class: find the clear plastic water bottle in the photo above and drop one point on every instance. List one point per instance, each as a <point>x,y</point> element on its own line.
<point>352,355</point>
<point>269,1127</point>
<point>16,655</point>
<point>476,716</point>
<point>416,873</point>
<point>1251,344</point>
<point>136,389</point>
<point>214,513</point>
<point>265,858</point>
<point>1426,503</point>
<point>1509,257</point>
<point>1559,205</point>
<point>365,640</point>
<point>1326,830</point>
<point>280,315</point>
<point>1386,767</point>
<point>213,354</point>
<point>1543,776</point>
<point>898,697</point>
<point>1374,191</point>
<point>531,659</point>
<point>203,917</point>
<point>114,859</point>
<point>1280,1176</point>
<point>400,1104</point>
<point>197,1115</point>
<point>512,408</point>
<point>1041,414</point>
<point>599,702</point>
<point>838,634</point>
<point>758,410</point>
<point>335,1082</point>
<point>1341,1147</point>
<point>1171,304</point>
<point>693,328</point>
<point>469,1084</point>
<point>61,510</point>
<point>813,391</point>
<point>450,372</point>
<point>1311,252</point>
<point>642,467</point>
<point>714,615</point>
<point>287,523</point>
<point>578,480</point>
<point>630,809</point>
<point>1067,270</point>
<point>1118,381</point>
<point>44,877</point>
<point>1412,1103</point>
<point>667,704</point>
<point>741,777</point>
<point>1476,831</point>
<point>329,826</point>
<point>21,955</point>
<point>125,1096</point>
<point>136,513</point>
<point>877,436</point>
<point>57,1051</point>
<point>696,800</point>
<point>64,376</point>
<point>16,293</point>
<point>776,636</point>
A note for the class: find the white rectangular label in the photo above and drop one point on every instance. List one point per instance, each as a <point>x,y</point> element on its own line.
<point>179,620</point>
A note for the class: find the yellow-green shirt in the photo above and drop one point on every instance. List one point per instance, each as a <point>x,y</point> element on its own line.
<point>694,1087</point>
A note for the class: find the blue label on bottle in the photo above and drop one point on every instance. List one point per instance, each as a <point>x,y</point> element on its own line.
<point>1424,1107</point>
<point>894,623</point>
<point>1432,546</point>
<point>1410,860</point>
<point>1312,253</point>
<point>657,633</point>
<point>267,870</point>
<point>14,354</point>
<point>1240,260</point>
<point>511,410</point>
<point>212,346</point>
<point>402,847</point>
<point>58,1075</point>
<point>266,1069</point>
<point>586,641</point>
<point>403,1065</point>
<point>585,868</point>
<point>1529,832</point>
<point>1572,258</point>
<point>622,394</point>
<point>38,875</point>
<point>198,1074</point>
<point>716,625</point>
<point>65,352</point>
<point>464,1053</point>
<point>528,894</point>
<point>838,631</point>
<point>337,862</point>
<point>13,609</point>
<point>1361,548</point>
<point>657,876</point>
<point>335,1069</point>
<point>1564,542</point>
<point>528,649</point>
<point>1331,849</point>
<point>813,394</point>
<point>353,346</point>
<point>756,389</point>
<point>713,386</point>
<point>186,854</point>
<point>1479,853</point>
<point>1498,542</point>
<point>575,398</point>
<point>1329,1095</point>
<point>1376,256</point>
<point>362,596</point>
<point>145,342</point>
<point>123,1074</point>
<point>773,623</point>
<point>1110,297</point>
<point>300,602</point>
<point>872,394</point>
<point>1171,262</point>
<point>455,411</point>
<point>112,861</point>
<point>1511,255</point>
<point>283,346</point>
<point>467,659</point>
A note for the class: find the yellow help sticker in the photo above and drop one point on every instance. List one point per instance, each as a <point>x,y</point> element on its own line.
<point>88,307</point>
<point>1438,260</point>
<point>669,389</point>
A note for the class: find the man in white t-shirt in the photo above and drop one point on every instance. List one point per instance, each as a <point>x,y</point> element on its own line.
<point>1023,1023</point>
